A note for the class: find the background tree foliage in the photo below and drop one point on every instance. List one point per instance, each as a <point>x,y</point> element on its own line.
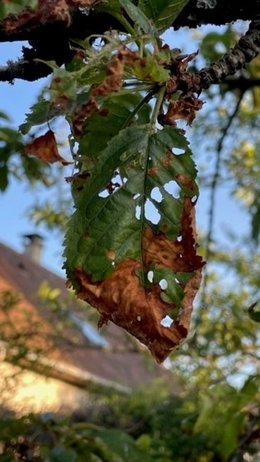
<point>216,417</point>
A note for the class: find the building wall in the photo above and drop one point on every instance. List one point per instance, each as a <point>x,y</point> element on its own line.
<point>23,391</point>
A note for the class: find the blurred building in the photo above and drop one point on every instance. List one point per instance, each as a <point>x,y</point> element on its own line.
<point>51,353</point>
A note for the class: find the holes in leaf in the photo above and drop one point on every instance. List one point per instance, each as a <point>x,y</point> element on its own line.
<point>136,196</point>
<point>104,194</point>
<point>150,276</point>
<point>166,321</point>
<point>179,151</point>
<point>138,212</point>
<point>116,182</point>
<point>151,212</point>
<point>156,194</point>
<point>173,189</point>
<point>163,284</point>
<point>179,238</point>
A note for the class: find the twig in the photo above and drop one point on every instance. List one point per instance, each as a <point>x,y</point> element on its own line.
<point>213,192</point>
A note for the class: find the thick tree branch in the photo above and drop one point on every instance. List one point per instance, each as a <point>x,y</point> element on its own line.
<point>247,48</point>
<point>50,39</point>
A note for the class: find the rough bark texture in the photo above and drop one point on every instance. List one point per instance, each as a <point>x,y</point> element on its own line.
<point>49,35</point>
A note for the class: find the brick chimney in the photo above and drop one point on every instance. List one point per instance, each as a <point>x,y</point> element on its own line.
<point>33,244</point>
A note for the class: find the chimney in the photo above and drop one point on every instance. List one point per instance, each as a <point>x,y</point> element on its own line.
<point>33,244</point>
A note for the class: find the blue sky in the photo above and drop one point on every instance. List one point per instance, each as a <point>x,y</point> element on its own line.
<point>14,204</point>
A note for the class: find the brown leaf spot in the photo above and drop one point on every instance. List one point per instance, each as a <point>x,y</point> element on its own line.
<point>186,181</point>
<point>168,159</point>
<point>111,255</point>
<point>81,116</point>
<point>152,171</point>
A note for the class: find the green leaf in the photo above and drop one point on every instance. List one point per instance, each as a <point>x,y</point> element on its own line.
<point>254,312</point>
<point>60,454</point>
<point>41,112</point>
<point>138,17</point>
<point>137,161</point>
<point>4,116</point>
<point>100,129</point>
<point>3,177</point>
<point>255,221</point>
<point>122,445</point>
<point>162,12</point>
<point>15,7</point>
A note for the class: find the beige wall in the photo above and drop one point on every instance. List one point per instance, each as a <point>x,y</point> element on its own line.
<point>24,391</point>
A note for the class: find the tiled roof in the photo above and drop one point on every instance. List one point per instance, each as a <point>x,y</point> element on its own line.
<point>122,363</point>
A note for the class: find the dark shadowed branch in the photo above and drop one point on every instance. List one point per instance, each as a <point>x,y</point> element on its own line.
<point>213,192</point>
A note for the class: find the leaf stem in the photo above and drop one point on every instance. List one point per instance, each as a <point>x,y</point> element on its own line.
<point>123,21</point>
<point>139,106</point>
<point>157,107</point>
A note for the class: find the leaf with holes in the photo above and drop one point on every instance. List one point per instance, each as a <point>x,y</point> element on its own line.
<point>129,222</point>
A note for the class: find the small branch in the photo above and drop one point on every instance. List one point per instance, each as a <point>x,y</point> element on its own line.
<point>247,48</point>
<point>213,192</point>
<point>242,83</point>
<point>22,69</point>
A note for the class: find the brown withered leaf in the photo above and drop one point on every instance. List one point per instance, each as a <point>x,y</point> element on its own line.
<point>183,108</point>
<point>86,110</point>
<point>123,299</point>
<point>45,148</point>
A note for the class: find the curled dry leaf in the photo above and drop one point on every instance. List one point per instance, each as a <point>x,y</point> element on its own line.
<point>183,108</point>
<point>45,148</point>
<point>124,299</point>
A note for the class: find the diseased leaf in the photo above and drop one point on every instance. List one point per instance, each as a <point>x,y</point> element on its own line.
<point>112,245</point>
<point>45,148</point>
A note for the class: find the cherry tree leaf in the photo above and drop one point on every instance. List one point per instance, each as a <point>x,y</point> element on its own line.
<point>163,12</point>
<point>45,148</point>
<point>123,258</point>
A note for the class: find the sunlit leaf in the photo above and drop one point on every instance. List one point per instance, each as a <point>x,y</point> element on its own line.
<point>162,12</point>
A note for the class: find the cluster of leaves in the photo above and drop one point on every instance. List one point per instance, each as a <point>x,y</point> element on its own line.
<point>130,247</point>
<point>220,424</point>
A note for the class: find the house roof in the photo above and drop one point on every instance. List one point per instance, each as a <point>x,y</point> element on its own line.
<point>121,364</point>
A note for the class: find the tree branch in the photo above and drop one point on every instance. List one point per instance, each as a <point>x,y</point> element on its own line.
<point>50,40</point>
<point>247,48</point>
<point>213,192</point>
<point>242,83</point>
